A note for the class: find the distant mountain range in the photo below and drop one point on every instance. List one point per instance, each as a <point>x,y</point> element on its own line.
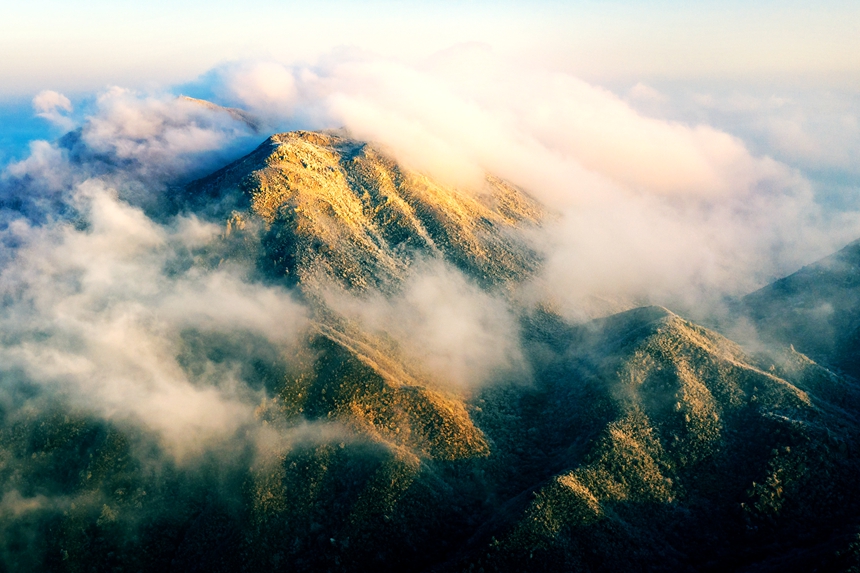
<point>635,442</point>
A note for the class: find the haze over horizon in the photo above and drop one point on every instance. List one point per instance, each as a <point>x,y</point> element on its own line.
<point>82,46</point>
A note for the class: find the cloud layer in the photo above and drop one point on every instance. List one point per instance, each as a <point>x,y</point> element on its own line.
<point>459,336</point>
<point>97,315</point>
<point>649,207</point>
<point>101,286</point>
<point>138,143</point>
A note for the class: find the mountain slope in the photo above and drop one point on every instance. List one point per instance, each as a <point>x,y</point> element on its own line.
<point>332,209</point>
<point>817,309</point>
<point>644,442</point>
<point>650,443</point>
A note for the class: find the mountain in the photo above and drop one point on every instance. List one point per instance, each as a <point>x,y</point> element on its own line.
<point>238,114</point>
<point>816,309</point>
<point>652,443</point>
<point>340,211</point>
<point>639,441</point>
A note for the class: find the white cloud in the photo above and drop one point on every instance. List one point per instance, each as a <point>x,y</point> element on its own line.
<point>648,207</point>
<point>457,335</point>
<point>137,142</point>
<point>94,316</point>
<point>267,87</point>
<point>157,137</point>
<point>47,166</point>
<point>526,125</point>
<point>51,105</point>
<point>811,128</point>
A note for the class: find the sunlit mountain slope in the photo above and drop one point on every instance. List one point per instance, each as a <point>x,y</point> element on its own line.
<point>336,209</point>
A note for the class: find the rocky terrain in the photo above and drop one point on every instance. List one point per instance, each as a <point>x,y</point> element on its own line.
<point>635,442</point>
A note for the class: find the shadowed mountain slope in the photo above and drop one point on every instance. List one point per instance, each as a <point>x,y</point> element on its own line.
<point>650,443</point>
<point>817,309</point>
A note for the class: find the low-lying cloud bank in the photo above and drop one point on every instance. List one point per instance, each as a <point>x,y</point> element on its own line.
<point>97,315</point>
<point>648,208</point>
<point>100,286</point>
<point>466,111</point>
<point>136,143</point>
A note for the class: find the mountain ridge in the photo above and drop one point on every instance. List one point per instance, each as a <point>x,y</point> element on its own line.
<point>637,441</point>
<point>318,193</point>
<point>815,309</point>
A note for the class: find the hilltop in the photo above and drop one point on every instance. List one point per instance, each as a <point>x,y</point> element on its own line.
<point>336,210</point>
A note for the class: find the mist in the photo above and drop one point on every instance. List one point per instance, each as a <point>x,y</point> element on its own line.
<point>461,337</point>
<point>96,315</point>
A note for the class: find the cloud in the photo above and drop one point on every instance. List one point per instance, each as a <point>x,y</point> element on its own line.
<point>459,336</point>
<point>647,207</point>
<point>156,138</point>
<point>96,316</point>
<point>643,250</point>
<point>526,125</point>
<point>139,143</point>
<point>640,210</point>
<point>644,92</point>
<point>47,164</point>
<point>812,128</point>
<point>13,504</point>
<point>51,105</point>
<point>100,299</point>
<point>267,87</point>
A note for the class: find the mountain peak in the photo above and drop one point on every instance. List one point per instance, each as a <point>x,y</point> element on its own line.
<point>237,114</point>
<point>337,210</point>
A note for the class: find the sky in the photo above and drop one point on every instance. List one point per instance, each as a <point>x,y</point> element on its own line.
<point>80,47</point>
<point>688,153</point>
<point>85,45</point>
<point>723,50</point>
